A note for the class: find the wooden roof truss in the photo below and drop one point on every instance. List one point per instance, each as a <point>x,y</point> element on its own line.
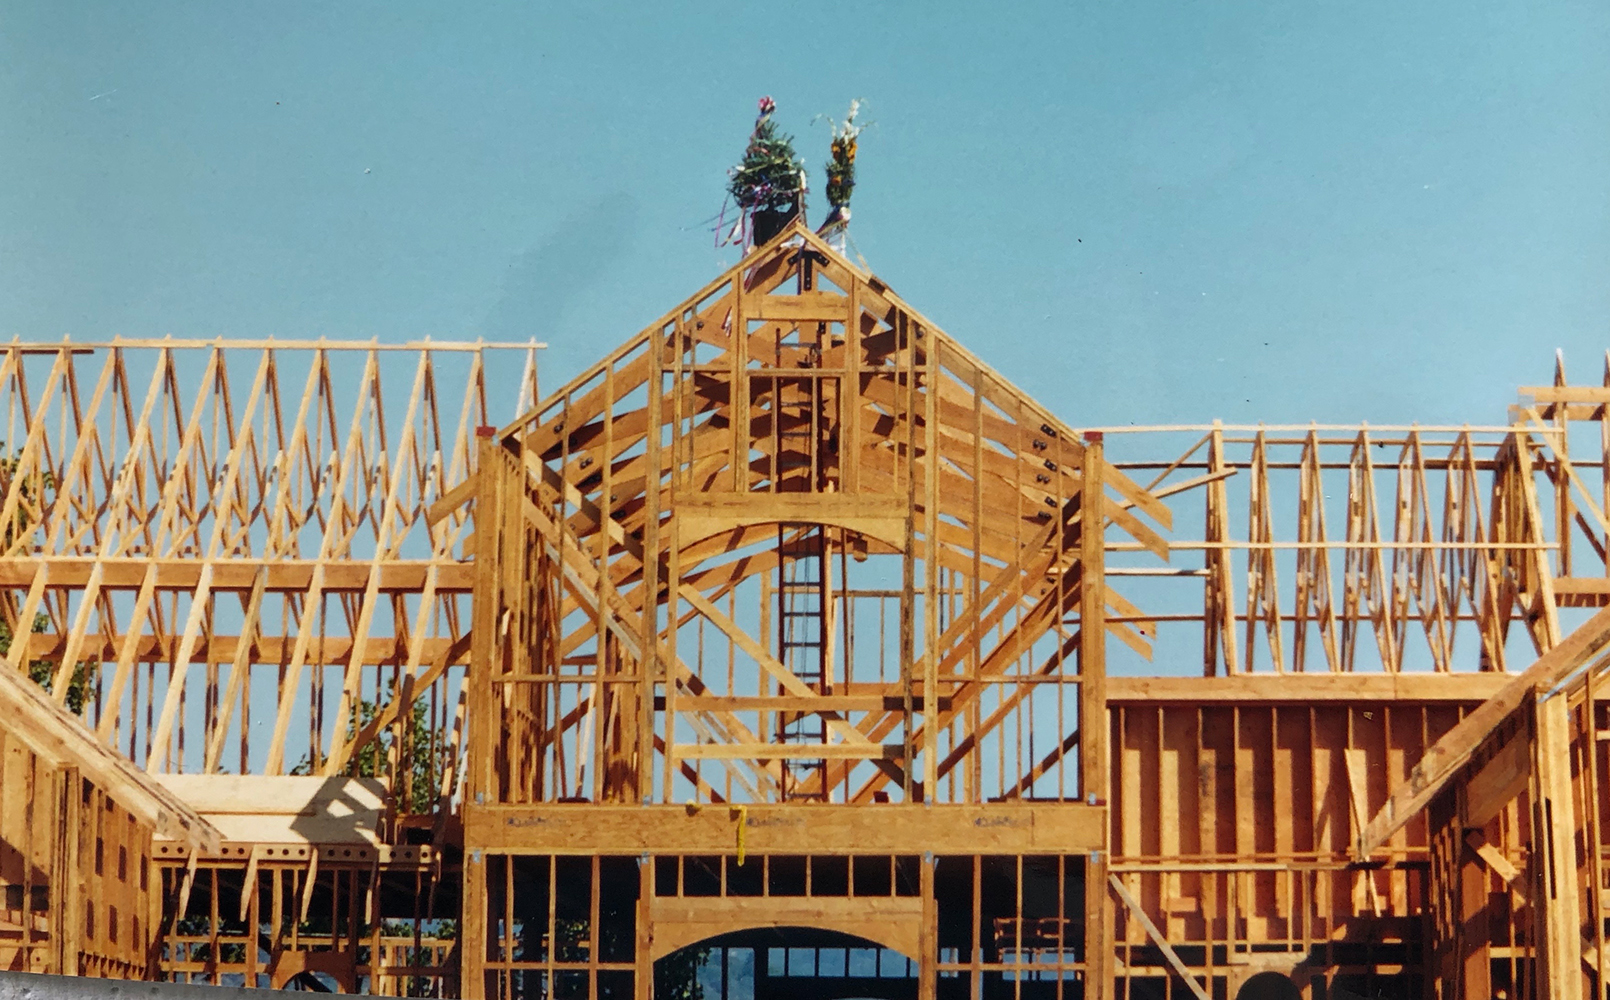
<point>792,448</point>
<point>199,533</point>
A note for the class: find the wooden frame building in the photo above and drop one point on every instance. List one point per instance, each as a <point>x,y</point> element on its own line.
<point>792,643</point>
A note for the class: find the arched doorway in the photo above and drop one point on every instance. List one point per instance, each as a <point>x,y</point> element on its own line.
<point>1269,986</point>
<point>786,963</point>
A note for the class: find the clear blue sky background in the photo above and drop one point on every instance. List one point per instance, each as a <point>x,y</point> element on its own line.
<point>1141,212</point>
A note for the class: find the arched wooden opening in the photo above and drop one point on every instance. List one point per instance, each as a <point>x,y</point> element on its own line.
<point>788,963</point>
<point>1268,986</point>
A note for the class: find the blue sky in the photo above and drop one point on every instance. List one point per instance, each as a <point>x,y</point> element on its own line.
<point>1141,212</point>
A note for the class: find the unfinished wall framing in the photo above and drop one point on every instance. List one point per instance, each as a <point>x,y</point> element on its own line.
<point>791,639</point>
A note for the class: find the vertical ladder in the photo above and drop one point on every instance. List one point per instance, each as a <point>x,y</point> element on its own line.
<point>800,434</point>
<point>802,598</point>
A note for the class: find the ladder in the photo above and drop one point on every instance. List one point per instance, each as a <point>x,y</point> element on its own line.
<point>800,435</point>
<point>802,623</point>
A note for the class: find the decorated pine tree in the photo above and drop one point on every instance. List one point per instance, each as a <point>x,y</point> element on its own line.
<point>769,184</point>
<point>771,176</point>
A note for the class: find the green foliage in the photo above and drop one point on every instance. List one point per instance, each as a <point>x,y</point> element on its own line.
<point>841,167</point>
<point>424,756</point>
<point>676,976</point>
<point>570,939</point>
<point>41,672</point>
<point>442,929</point>
<point>431,930</point>
<point>199,925</point>
<point>771,176</point>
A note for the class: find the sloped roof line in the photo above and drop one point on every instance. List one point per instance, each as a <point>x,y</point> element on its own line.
<point>631,343</point>
<point>795,230</point>
<point>1063,429</point>
<point>54,733</point>
<point>796,234</point>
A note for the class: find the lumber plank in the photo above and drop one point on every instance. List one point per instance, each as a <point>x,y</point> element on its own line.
<point>1157,937</point>
<point>997,828</point>
<point>1444,758</point>
<point>1462,688</point>
<point>1504,776</point>
<point>1495,859</point>
<point>54,733</point>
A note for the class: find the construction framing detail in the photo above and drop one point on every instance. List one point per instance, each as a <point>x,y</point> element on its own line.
<point>792,650</point>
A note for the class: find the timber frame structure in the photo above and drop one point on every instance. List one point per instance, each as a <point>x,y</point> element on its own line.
<point>792,642</point>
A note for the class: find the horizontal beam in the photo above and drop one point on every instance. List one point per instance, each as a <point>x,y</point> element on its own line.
<point>701,515</point>
<point>296,853</point>
<point>233,344</point>
<point>892,828</point>
<point>825,307</point>
<point>282,575</point>
<point>1567,393</point>
<point>790,751</point>
<point>1582,591</point>
<point>1469,688</point>
<point>793,703</point>
<point>377,650</point>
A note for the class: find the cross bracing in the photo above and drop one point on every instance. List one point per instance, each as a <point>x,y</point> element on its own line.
<point>465,687</point>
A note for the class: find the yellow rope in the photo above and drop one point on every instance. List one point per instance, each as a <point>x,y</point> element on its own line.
<point>741,814</point>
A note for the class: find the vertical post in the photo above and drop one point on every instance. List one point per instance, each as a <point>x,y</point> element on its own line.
<point>1457,921</point>
<point>602,660</point>
<point>930,566</point>
<point>1560,442</point>
<point>66,887</point>
<point>973,775</point>
<point>594,907</point>
<point>472,945</point>
<point>1558,908</point>
<point>673,610</point>
<point>928,950</point>
<point>1219,613</point>
<point>478,785</point>
<point>769,637</point>
<point>643,770</point>
<point>1592,824</point>
<point>680,456</point>
<point>1474,934</point>
<point>276,918</point>
<point>908,568</point>
<point>1604,462</point>
<point>151,884</point>
<point>1093,726</point>
<point>850,396</point>
<point>487,603</point>
<point>643,982</point>
<point>738,392</point>
<point>250,885</point>
<point>31,800</point>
